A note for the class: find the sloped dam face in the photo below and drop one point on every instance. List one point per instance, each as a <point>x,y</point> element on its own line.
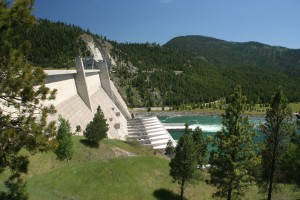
<point>80,92</point>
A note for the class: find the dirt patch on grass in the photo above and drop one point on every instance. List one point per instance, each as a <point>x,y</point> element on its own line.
<point>122,153</point>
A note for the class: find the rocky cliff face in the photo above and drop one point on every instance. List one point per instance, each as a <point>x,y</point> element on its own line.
<point>99,49</point>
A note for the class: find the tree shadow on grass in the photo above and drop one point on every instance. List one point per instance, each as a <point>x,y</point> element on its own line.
<point>165,194</point>
<point>89,143</point>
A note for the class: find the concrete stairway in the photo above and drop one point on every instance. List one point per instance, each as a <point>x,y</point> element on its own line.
<point>149,131</point>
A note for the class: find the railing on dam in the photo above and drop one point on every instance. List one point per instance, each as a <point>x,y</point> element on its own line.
<point>90,63</point>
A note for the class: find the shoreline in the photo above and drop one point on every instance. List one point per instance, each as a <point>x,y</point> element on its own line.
<point>184,113</point>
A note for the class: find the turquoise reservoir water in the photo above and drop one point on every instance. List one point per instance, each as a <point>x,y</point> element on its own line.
<point>209,124</point>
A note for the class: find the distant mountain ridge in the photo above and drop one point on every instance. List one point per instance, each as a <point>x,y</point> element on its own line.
<point>223,53</point>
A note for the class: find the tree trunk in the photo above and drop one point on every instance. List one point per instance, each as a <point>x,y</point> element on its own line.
<point>270,190</point>
<point>182,188</point>
<point>229,194</point>
<point>272,168</point>
<point>271,177</point>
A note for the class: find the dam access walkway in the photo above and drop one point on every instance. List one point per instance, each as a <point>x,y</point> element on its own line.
<point>149,131</point>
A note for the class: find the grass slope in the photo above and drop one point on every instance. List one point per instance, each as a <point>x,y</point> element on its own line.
<point>125,178</point>
<point>109,173</point>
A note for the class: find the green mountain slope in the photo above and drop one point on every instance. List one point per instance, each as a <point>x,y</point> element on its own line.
<point>55,45</point>
<point>210,70</point>
<point>186,70</point>
<point>232,54</point>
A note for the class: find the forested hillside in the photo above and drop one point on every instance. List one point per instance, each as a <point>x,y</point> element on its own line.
<point>55,45</point>
<point>232,54</point>
<point>210,68</point>
<point>186,70</point>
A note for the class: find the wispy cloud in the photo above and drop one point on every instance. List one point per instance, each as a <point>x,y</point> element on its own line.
<point>166,1</point>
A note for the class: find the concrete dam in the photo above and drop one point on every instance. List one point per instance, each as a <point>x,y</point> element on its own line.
<point>81,91</point>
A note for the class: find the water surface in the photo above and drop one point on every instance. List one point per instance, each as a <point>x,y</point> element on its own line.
<point>209,124</point>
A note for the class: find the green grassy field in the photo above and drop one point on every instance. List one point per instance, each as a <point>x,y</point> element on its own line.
<point>109,173</point>
<point>295,107</point>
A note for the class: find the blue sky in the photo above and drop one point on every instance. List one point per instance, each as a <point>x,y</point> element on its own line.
<point>274,22</point>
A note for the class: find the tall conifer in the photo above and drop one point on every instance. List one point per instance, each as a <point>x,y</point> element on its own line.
<point>64,139</point>
<point>201,145</point>
<point>184,163</point>
<point>231,162</point>
<point>277,131</point>
<point>97,129</point>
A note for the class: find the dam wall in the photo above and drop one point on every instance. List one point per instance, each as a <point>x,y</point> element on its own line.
<point>111,90</point>
<point>80,92</point>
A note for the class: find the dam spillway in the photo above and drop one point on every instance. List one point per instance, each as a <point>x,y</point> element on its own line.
<point>149,131</point>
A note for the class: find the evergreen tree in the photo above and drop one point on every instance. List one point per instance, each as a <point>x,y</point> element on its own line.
<point>64,149</point>
<point>23,117</point>
<point>184,163</point>
<point>201,146</point>
<point>277,131</point>
<point>290,163</point>
<point>97,129</point>
<point>231,162</point>
<point>16,188</point>
<point>170,149</point>
<point>55,45</point>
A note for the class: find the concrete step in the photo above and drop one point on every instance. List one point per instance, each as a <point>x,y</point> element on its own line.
<point>160,147</point>
<point>144,133</point>
<point>133,123</point>
<point>155,130</point>
<point>159,142</point>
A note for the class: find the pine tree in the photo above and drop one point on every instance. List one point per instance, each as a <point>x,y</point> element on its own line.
<point>201,145</point>
<point>97,129</point>
<point>23,117</point>
<point>170,149</point>
<point>290,163</point>
<point>184,163</point>
<point>235,153</point>
<point>277,131</point>
<point>64,149</point>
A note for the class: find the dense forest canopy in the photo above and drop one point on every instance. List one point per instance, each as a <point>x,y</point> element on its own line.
<point>55,45</point>
<point>211,68</point>
<point>231,54</point>
<point>186,70</point>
